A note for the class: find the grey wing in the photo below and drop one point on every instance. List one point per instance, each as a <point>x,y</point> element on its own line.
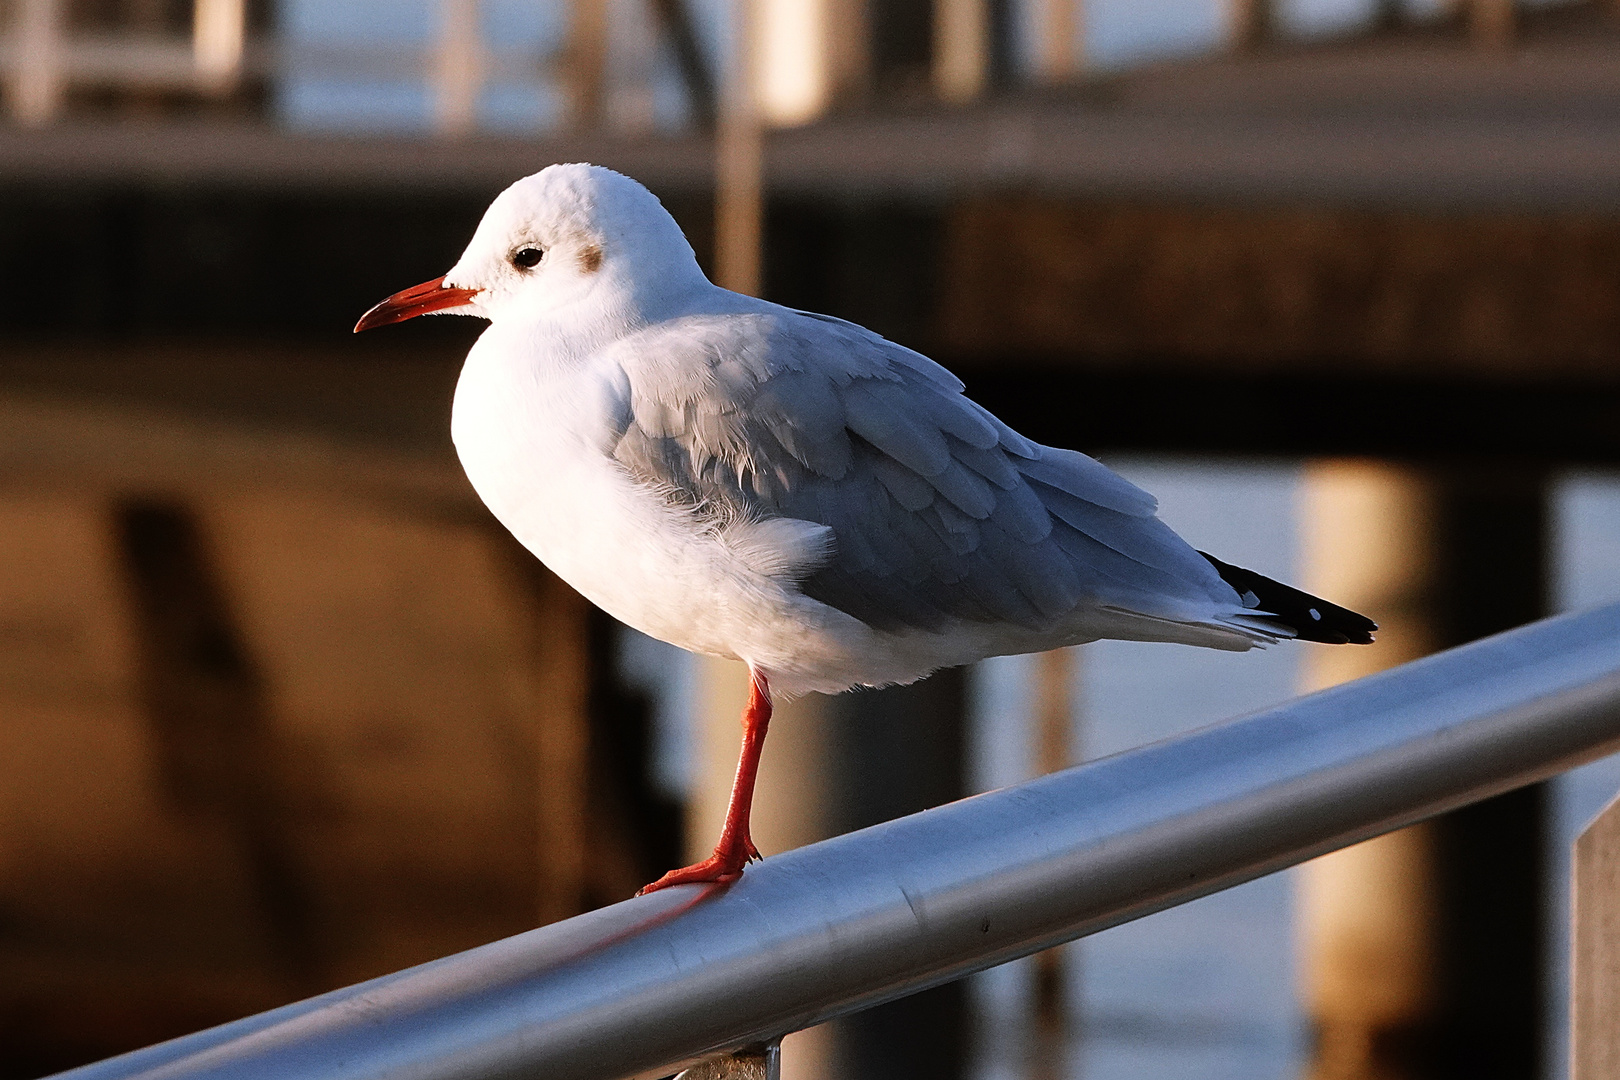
<point>938,510</point>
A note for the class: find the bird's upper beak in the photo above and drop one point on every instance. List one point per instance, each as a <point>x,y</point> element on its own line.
<point>417,300</point>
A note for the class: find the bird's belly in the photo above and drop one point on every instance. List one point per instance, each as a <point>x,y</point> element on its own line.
<point>575,521</point>
<point>618,544</point>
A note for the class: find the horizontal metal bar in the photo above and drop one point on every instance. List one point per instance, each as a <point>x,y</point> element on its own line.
<point>844,924</point>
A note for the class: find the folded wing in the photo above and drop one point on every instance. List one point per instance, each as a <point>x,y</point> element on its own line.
<point>938,510</point>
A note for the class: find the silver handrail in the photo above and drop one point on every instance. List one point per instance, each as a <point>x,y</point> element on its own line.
<point>877,914</point>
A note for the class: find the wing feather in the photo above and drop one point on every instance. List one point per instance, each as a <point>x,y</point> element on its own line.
<point>991,463</point>
<point>1148,541</point>
<point>908,489</point>
<point>967,490</point>
<point>1089,479</point>
<point>937,510</point>
<point>893,431</point>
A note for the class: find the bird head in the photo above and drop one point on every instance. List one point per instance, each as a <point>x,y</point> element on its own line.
<point>557,239</point>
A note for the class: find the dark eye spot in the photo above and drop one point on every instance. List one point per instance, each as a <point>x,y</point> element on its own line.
<point>590,259</point>
<point>528,257</point>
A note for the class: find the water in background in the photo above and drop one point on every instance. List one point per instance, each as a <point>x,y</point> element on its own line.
<point>1208,989</point>
<point>1114,34</point>
<point>1205,989</point>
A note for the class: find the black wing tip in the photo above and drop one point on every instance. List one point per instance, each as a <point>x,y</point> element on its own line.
<point>1310,617</point>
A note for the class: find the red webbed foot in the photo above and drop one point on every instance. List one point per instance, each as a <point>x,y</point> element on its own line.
<point>725,865</point>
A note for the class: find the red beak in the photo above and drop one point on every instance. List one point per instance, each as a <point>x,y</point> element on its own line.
<point>417,300</point>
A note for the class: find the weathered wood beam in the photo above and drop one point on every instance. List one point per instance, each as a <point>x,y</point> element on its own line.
<point>1595,1009</point>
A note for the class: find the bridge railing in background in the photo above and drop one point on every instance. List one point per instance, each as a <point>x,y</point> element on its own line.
<point>43,57</point>
<point>40,59</point>
<point>813,55</point>
<point>829,929</point>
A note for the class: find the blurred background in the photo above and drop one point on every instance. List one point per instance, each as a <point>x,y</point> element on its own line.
<point>281,708</point>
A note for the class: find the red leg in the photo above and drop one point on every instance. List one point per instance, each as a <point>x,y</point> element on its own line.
<point>735,849</point>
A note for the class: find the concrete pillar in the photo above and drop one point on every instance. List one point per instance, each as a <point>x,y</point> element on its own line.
<point>585,63</point>
<point>1059,52</point>
<point>739,197</point>
<point>631,107</point>
<point>1422,950</point>
<point>791,60</point>
<point>425,675</point>
<point>1492,24</point>
<point>832,765</point>
<point>899,751</point>
<point>1250,23</point>
<point>792,802</point>
<point>1057,746</point>
<point>458,74</point>
<point>38,84</point>
<point>1367,914</point>
<point>207,701</point>
<point>811,54</point>
<point>218,36</point>
<point>1492,531</point>
<point>962,43</point>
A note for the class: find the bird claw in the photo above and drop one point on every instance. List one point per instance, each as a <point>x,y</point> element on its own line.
<point>723,867</point>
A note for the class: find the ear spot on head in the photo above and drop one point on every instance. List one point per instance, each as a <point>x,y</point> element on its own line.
<point>590,259</point>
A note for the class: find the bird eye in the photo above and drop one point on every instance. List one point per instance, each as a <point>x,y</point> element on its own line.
<point>528,257</point>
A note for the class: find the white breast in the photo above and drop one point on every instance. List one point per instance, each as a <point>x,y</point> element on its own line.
<point>533,444</point>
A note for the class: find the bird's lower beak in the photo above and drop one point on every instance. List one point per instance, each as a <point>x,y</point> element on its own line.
<point>420,299</point>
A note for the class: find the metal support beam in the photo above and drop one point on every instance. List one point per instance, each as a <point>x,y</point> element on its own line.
<point>868,917</point>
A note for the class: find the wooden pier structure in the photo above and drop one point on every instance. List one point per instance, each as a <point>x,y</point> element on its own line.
<point>1400,246</point>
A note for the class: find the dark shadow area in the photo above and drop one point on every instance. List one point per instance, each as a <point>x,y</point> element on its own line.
<point>205,702</point>
<point>1492,857</point>
<point>113,261</point>
<point>644,827</point>
<point>1161,408</point>
<point>901,751</point>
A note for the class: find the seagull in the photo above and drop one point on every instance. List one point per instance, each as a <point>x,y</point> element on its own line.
<point>791,490</point>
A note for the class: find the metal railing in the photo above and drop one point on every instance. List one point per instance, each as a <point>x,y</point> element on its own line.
<point>43,57</point>
<point>867,917</point>
<point>39,60</point>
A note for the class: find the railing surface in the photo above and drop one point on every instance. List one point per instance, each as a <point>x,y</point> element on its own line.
<point>863,918</point>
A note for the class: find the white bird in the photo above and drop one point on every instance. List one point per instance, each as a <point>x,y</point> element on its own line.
<point>788,489</point>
